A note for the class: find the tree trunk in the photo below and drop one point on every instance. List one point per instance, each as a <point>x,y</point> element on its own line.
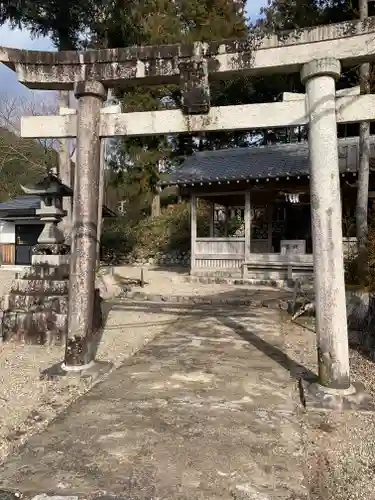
<point>364,169</point>
<point>65,168</point>
<point>101,198</point>
<point>155,207</point>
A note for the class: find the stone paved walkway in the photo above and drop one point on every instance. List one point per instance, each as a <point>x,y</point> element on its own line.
<point>205,411</point>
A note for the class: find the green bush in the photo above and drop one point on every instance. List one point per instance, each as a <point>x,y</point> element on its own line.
<point>353,274</point>
<point>117,240</point>
<point>169,231</point>
<point>151,235</point>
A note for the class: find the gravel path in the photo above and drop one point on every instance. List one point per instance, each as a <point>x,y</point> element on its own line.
<point>28,404</point>
<point>340,448</point>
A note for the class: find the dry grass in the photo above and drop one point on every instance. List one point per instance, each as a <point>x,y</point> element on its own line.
<point>341,460</point>
<point>339,446</point>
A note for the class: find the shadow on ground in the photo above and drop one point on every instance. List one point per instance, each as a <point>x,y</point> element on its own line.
<point>227,315</point>
<point>205,411</point>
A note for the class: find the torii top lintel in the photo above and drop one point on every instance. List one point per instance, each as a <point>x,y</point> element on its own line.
<point>350,42</point>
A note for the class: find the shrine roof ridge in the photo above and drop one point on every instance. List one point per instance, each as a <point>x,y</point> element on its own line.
<point>257,40</point>
<point>258,163</point>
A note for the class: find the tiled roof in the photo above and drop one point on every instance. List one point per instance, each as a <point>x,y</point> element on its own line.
<point>27,204</point>
<point>21,203</point>
<point>258,162</point>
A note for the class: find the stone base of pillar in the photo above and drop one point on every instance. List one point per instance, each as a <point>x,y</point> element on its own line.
<point>85,374</point>
<point>80,353</point>
<point>53,261</point>
<point>317,397</point>
<point>35,311</point>
<point>36,307</point>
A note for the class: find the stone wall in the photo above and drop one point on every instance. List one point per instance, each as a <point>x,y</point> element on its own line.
<point>360,305</point>
<point>173,258</point>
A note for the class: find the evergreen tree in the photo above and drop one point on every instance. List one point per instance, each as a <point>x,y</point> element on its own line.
<point>284,14</point>
<point>157,22</point>
<point>64,21</point>
<point>291,14</point>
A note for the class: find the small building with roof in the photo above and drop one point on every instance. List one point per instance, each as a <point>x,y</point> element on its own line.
<point>21,226</point>
<point>257,203</point>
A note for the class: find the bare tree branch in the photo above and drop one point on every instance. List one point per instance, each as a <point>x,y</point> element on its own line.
<point>364,168</point>
<point>23,160</point>
<point>13,108</point>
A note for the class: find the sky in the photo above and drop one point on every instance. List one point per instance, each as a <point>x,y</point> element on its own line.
<point>22,40</point>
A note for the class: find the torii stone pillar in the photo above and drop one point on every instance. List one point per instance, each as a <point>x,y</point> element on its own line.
<point>319,77</point>
<point>78,353</point>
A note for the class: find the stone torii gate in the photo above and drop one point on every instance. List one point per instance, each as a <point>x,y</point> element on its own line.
<point>91,73</point>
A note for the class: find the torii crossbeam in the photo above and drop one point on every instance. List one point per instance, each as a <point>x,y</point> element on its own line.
<point>351,109</point>
<point>350,42</point>
<point>91,73</point>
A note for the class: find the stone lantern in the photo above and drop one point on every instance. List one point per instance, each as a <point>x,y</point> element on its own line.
<point>51,248</point>
<point>36,309</point>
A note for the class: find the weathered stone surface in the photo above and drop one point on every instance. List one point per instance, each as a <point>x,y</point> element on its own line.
<point>108,285</point>
<point>40,286</point>
<point>9,495</point>
<point>46,271</point>
<point>80,350</point>
<point>53,260</point>
<point>360,310</point>
<point>156,65</point>
<point>194,85</point>
<point>270,299</point>
<point>175,258</point>
<point>36,308</point>
<point>43,496</point>
<point>357,308</point>
<point>83,259</point>
<point>88,375</point>
<point>166,122</point>
<point>317,397</point>
<point>175,298</point>
<point>34,327</point>
<point>36,302</point>
<point>203,411</point>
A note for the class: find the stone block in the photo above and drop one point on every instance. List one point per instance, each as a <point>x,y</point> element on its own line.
<point>47,273</point>
<point>358,307</point>
<point>9,495</point>
<point>43,496</point>
<point>317,397</point>
<point>41,328</point>
<point>88,374</point>
<point>36,302</point>
<point>51,260</point>
<point>41,286</point>
<point>194,86</point>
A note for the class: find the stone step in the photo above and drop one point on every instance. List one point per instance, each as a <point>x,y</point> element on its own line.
<point>39,327</point>
<point>35,302</point>
<point>45,273</point>
<point>234,299</point>
<point>50,287</point>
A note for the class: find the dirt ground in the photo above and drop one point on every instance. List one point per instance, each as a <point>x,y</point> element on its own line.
<point>339,448</point>
<point>28,404</point>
